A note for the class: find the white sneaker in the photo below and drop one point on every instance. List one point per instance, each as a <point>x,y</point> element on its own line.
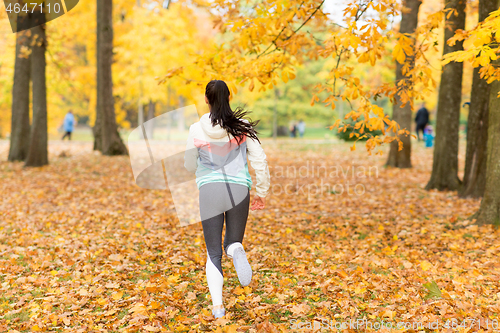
<point>242,266</point>
<point>219,313</point>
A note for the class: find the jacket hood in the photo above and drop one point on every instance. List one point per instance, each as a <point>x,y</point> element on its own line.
<point>214,132</point>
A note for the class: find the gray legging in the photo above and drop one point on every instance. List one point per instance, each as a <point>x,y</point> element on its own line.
<point>219,201</point>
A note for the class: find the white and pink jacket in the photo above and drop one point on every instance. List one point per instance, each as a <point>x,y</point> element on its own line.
<point>216,158</point>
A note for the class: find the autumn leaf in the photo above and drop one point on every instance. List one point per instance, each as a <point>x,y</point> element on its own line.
<point>302,308</point>
<point>139,308</point>
<point>399,54</point>
<point>425,265</point>
<point>150,328</point>
<point>266,327</point>
<point>433,290</point>
<point>117,295</point>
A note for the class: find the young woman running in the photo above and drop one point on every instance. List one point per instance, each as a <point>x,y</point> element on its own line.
<point>217,150</point>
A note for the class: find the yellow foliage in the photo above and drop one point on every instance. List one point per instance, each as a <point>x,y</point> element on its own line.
<point>481,47</point>
<point>147,43</point>
<point>277,35</point>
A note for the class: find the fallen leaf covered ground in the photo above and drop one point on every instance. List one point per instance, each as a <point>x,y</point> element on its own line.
<point>83,249</point>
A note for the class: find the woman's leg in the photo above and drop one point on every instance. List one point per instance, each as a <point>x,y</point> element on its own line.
<point>212,230</point>
<point>236,220</point>
<point>236,217</point>
<point>214,201</point>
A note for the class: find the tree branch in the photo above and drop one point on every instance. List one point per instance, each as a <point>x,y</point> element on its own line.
<point>293,33</point>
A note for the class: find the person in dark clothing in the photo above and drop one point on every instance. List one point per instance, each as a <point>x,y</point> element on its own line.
<point>293,131</point>
<point>422,119</point>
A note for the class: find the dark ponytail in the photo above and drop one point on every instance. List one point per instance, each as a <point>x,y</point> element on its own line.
<point>217,94</point>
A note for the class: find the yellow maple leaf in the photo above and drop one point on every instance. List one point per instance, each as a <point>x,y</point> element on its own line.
<point>425,265</point>
<point>139,308</point>
<point>117,295</point>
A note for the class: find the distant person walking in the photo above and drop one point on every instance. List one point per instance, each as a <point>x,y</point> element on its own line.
<point>301,127</point>
<point>68,126</point>
<point>428,136</point>
<point>422,119</point>
<point>293,130</point>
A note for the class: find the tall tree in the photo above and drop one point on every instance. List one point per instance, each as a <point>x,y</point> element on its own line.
<point>151,110</point>
<point>97,129</point>
<point>489,212</point>
<point>481,50</point>
<point>38,150</point>
<point>402,114</point>
<point>445,164</point>
<point>477,125</point>
<point>20,121</point>
<point>111,143</point>
<point>150,115</point>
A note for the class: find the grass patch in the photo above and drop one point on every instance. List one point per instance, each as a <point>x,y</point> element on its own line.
<point>362,235</point>
<point>23,316</point>
<point>122,313</point>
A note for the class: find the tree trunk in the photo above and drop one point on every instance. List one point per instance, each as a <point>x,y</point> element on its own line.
<point>151,114</point>
<point>97,129</point>
<point>170,114</point>
<point>38,150</point>
<point>489,212</point>
<point>445,164</point>
<point>151,110</point>
<point>275,113</point>
<point>112,144</point>
<point>140,114</point>
<point>477,125</point>
<point>402,114</point>
<point>181,123</point>
<point>20,122</point>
